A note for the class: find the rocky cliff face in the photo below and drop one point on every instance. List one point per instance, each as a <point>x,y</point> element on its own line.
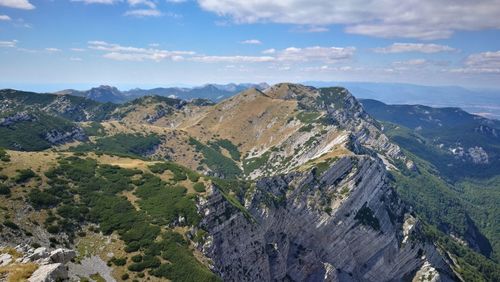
<point>345,224</point>
<point>338,220</point>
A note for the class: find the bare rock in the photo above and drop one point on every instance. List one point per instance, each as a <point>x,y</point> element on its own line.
<point>5,259</point>
<point>38,253</point>
<point>49,273</point>
<point>62,255</point>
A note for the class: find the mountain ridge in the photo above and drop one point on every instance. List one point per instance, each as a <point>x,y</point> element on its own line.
<point>214,92</point>
<point>282,169</point>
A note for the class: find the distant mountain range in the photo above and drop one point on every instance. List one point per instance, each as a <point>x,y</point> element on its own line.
<point>214,92</point>
<point>484,102</point>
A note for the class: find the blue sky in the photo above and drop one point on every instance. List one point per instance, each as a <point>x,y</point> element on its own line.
<point>48,45</point>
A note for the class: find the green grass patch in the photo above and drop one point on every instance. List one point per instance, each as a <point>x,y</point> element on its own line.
<point>308,117</point>
<point>216,161</point>
<point>199,187</point>
<point>24,175</point>
<point>4,156</point>
<point>136,145</point>
<point>251,164</point>
<point>229,146</point>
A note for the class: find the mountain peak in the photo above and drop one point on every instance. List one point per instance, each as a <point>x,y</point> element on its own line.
<point>291,91</point>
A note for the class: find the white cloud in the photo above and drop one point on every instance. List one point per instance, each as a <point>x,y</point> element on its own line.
<point>233,59</point>
<point>481,63</point>
<point>327,68</point>
<point>76,59</point>
<point>176,1</point>
<point>288,55</point>
<point>413,62</point>
<point>52,50</point>
<point>423,19</point>
<point>251,41</point>
<point>8,44</point>
<point>127,53</point>
<point>5,18</point>
<point>414,47</point>
<point>77,49</point>
<point>17,4</point>
<point>140,13</point>
<point>269,51</point>
<point>105,2</point>
<point>147,3</point>
<point>316,53</point>
<point>310,29</point>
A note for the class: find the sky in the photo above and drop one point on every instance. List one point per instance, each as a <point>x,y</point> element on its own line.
<point>55,44</point>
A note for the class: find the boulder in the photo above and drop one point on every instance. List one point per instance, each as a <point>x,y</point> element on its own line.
<point>49,273</point>
<point>62,255</point>
<point>5,259</point>
<point>38,253</point>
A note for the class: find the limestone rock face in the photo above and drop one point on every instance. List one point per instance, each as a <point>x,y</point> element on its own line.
<point>49,273</point>
<point>345,224</point>
<point>62,255</point>
<point>58,137</point>
<point>17,117</point>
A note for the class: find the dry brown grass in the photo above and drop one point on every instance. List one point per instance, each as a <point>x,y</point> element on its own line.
<point>249,119</point>
<point>17,272</point>
<point>132,198</point>
<point>39,162</point>
<point>11,251</point>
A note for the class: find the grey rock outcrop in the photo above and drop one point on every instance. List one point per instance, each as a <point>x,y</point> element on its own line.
<point>62,256</point>
<point>17,117</point>
<point>51,266</point>
<point>343,225</point>
<point>58,137</point>
<point>49,273</point>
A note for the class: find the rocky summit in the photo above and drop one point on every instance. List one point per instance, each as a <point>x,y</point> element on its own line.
<point>283,183</point>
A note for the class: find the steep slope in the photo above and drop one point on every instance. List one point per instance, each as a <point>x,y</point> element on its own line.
<point>65,106</point>
<point>457,143</point>
<point>290,125</point>
<point>159,111</point>
<point>30,121</point>
<point>465,206</point>
<point>345,224</point>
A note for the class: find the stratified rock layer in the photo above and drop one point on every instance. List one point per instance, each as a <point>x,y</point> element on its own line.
<point>308,227</point>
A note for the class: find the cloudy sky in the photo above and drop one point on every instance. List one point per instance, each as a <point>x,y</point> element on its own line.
<point>186,42</point>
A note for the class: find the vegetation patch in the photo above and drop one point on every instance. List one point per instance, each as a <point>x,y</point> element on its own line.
<point>366,217</point>
<point>199,187</point>
<point>308,117</point>
<point>325,165</point>
<point>135,145</point>
<point>472,266</point>
<point>332,96</point>
<point>4,156</point>
<point>216,161</point>
<point>24,175</point>
<point>30,135</point>
<point>94,129</point>
<point>229,146</point>
<point>166,203</point>
<point>251,164</point>
<point>98,188</point>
